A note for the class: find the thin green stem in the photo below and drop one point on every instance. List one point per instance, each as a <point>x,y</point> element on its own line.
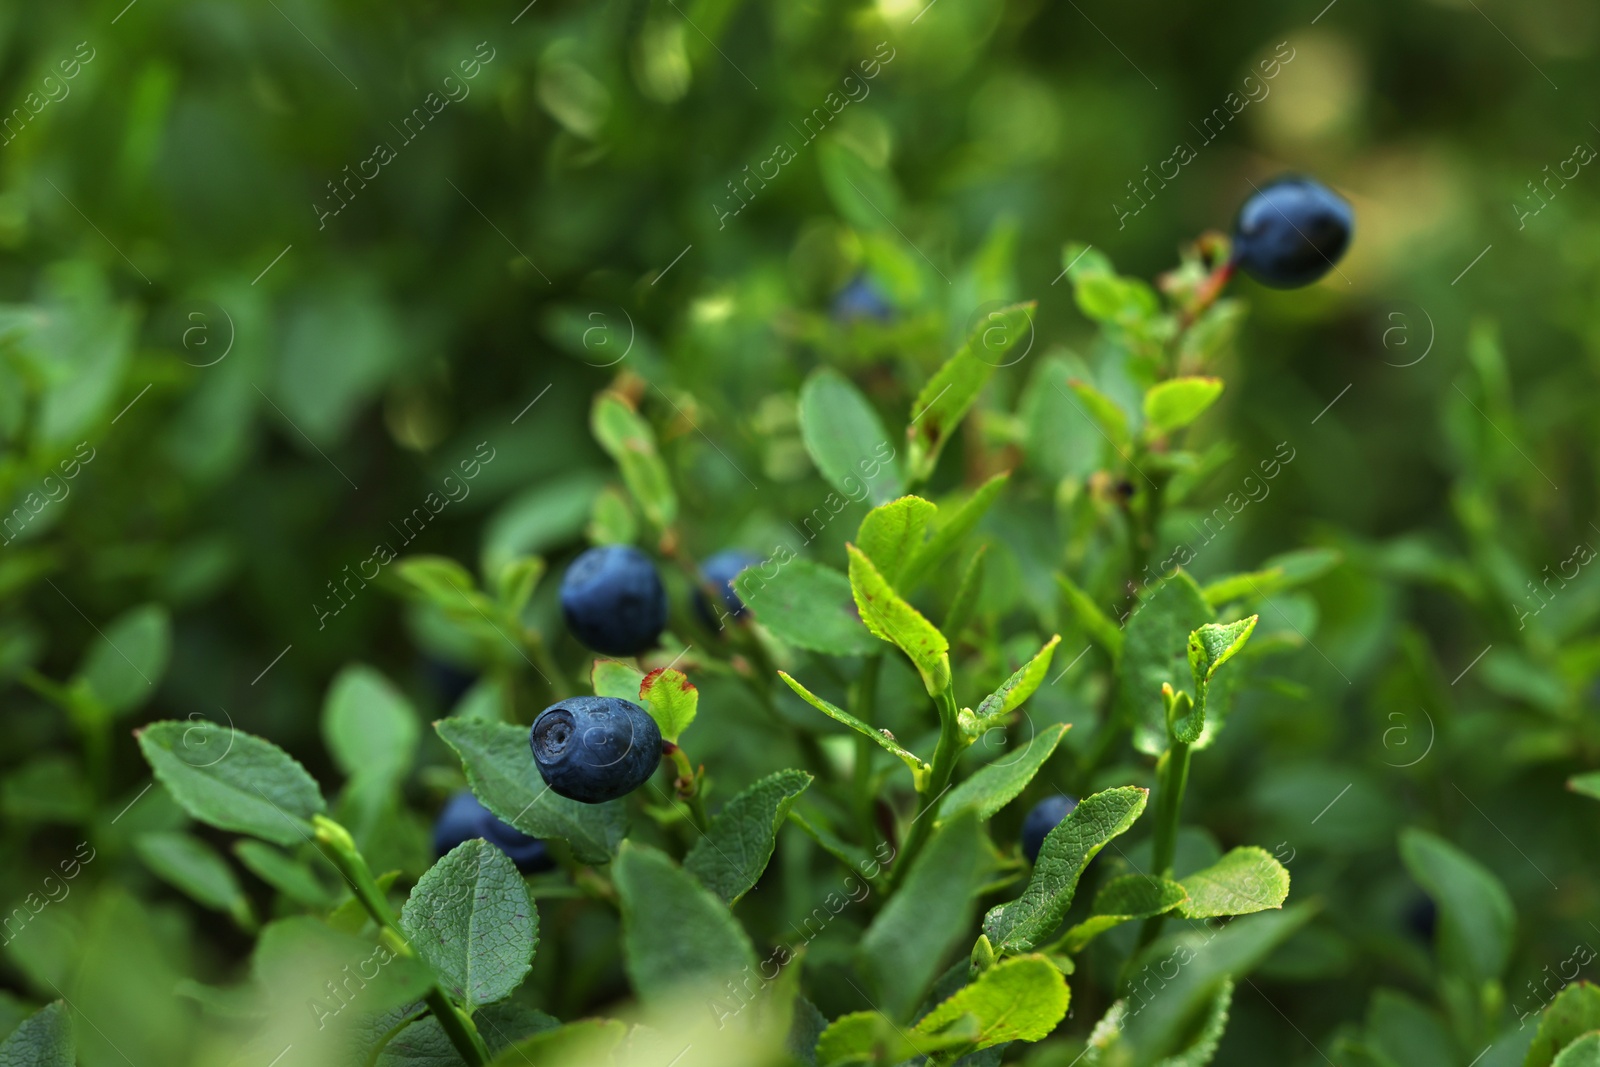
<point>335,842</point>
<point>951,744</point>
<point>688,785</point>
<point>1174,776</point>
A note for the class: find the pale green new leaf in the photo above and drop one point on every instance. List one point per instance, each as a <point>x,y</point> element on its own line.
<point>629,440</point>
<point>1154,650</point>
<point>806,605</point>
<point>124,666</point>
<point>950,393</point>
<point>671,699</point>
<point>890,618</point>
<point>909,942</point>
<point>846,439</point>
<point>863,1038</point>
<point>730,856</point>
<point>1132,896</point>
<point>999,783</point>
<point>1019,687</point>
<point>370,728</point>
<point>1587,784</point>
<point>1210,647</point>
<point>501,772</point>
<point>1021,999</point>
<point>1574,1012</point>
<point>43,1040</point>
<point>891,535</point>
<point>1584,1052</point>
<point>613,679</point>
<point>675,932</point>
<point>233,780</point>
<point>1176,402</point>
<point>833,711</point>
<point>195,869</point>
<point>471,919</point>
<point>1246,880</point>
<point>1095,622</point>
<point>1067,850</point>
<point>1476,917</point>
<point>949,526</point>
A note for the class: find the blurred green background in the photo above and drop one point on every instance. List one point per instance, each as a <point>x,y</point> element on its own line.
<point>269,389</point>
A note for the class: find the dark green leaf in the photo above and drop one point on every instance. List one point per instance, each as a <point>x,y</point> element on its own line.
<point>846,439</point>
<point>124,666</point>
<point>674,931</point>
<point>730,856</point>
<point>949,394</point>
<point>370,729</point>
<point>288,876</point>
<point>1476,919</point>
<point>1095,622</point>
<point>630,441</point>
<point>1154,650</point>
<point>966,596</point>
<point>195,869</point>
<point>999,783</point>
<point>43,1040</point>
<point>1132,896</point>
<point>807,605</point>
<point>470,918</point>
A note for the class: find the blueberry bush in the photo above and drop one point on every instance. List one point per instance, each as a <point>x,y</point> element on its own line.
<point>637,535</point>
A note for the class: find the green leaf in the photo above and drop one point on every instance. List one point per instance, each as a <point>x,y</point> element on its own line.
<point>1574,1012</point>
<point>1132,896</point>
<point>289,876</point>
<point>425,1044</point>
<point>950,525</point>
<point>950,393</point>
<point>611,520</point>
<point>193,867</point>
<point>613,679</point>
<point>1476,918</point>
<point>1584,1052</point>
<point>1281,572</point>
<point>1102,294</point>
<point>1019,687</point>
<point>999,783</point>
<point>966,596</point>
<point>43,1040</point>
<point>439,579</point>
<point>1210,647</point>
<point>1587,784</point>
<point>671,699</point>
<point>1402,1031</point>
<point>1246,880</point>
<point>584,1041</point>
<point>1095,622</point>
<point>471,919</point>
<point>630,441</point>
<point>846,439</point>
<point>870,1037</point>
<point>123,667</point>
<point>1204,1047</point>
<point>730,856</point>
<point>1176,402</point>
<point>1154,649</point>
<point>919,769</point>
<point>501,773</point>
<point>1021,999</point>
<point>1105,413</point>
<point>296,958</point>
<point>674,931</point>
<point>232,780</point>
<point>515,583</point>
<point>370,729</point>
<point>1067,850</point>
<point>890,618</point>
<point>806,605</point>
<point>891,535</point>
<point>911,939</point>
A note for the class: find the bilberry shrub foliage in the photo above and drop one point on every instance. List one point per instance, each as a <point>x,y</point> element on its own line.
<point>935,934</point>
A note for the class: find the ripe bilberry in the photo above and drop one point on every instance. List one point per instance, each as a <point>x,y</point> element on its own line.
<point>595,749</point>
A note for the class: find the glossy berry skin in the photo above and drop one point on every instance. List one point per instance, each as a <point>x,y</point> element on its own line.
<point>613,600</point>
<point>1292,232</point>
<point>595,749</point>
<point>720,570</point>
<point>1045,816</point>
<point>464,819</point>
<point>861,301</point>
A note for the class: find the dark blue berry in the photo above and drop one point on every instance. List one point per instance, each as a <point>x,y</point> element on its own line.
<point>861,300</point>
<point>595,749</point>
<point>613,600</point>
<point>719,571</point>
<point>1292,232</point>
<point>1422,918</point>
<point>464,819</point>
<point>1045,816</point>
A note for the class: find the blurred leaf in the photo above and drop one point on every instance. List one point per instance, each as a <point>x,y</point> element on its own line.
<point>515,583</point>
<point>502,775</point>
<point>193,867</point>
<point>864,195</point>
<point>541,518</point>
<point>1282,572</point>
<point>807,605</point>
<point>1061,439</point>
<point>1403,1031</point>
<point>846,439</point>
<point>1132,896</point>
<point>1095,622</point>
<point>950,393</point>
<point>630,441</point>
<point>1244,881</point>
<point>966,596</point>
<point>584,1041</point>
<point>892,534</point>
<point>232,780</point>
<point>1476,918</point>
<point>1203,1049</point>
<point>611,520</point>
<point>1175,403</point>
<point>892,619</point>
<point>1019,999</point>
<point>612,678</point>
<point>1588,784</point>
<point>950,525</point>
<point>731,855</point>
<point>909,942</point>
<point>289,876</point>
<point>1584,1052</point>
<point>674,932</point>
<point>671,699</point>
<point>1067,850</point>
<point>1154,651</point>
<point>124,667</point>
<point>44,1039</point>
<point>370,729</point>
<point>870,1037</point>
<point>882,737</point>
<point>997,784</point>
<point>470,919</point>
<point>296,959</point>
<point>1113,424</point>
<point>1102,294</point>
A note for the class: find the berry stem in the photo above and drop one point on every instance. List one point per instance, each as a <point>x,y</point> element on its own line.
<point>687,784</point>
